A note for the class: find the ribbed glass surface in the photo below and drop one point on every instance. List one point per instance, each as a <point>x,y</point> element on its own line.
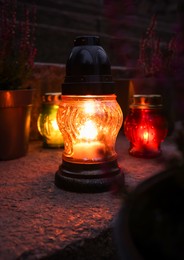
<point>89,125</point>
<point>145,129</point>
<point>48,127</point>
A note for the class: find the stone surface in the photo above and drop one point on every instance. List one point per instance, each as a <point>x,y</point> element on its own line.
<point>39,221</point>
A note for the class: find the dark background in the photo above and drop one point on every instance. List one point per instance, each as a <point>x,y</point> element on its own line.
<point>120,25</point>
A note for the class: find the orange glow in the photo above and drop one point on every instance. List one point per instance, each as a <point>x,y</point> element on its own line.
<point>86,124</point>
<point>88,131</point>
<point>87,146</point>
<point>89,107</point>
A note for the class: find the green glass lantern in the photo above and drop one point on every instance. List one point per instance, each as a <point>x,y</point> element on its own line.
<point>47,123</point>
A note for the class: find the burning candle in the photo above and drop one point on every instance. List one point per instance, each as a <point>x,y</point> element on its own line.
<point>89,151</point>
<point>87,134</point>
<point>88,148</point>
<point>89,119</point>
<point>47,123</point>
<point>145,126</point>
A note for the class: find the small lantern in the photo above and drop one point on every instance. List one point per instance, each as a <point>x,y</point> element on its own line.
<point>145,126</point>
<point>89,118</point>
<point>47,123</point>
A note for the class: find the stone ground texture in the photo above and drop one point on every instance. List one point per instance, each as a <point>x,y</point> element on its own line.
<point>40,221</point>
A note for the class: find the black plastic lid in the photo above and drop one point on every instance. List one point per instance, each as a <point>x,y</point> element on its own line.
<point>88,69</point>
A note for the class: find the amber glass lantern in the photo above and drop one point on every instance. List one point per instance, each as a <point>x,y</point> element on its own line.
<point>145,126</point>
<point>89,118</point>
<point>47,122</point>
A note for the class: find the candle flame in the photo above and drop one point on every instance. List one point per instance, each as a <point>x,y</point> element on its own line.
<point>146,136</point>
<point>54,125</point>
<point>88,131</point>
<point>89,107</point>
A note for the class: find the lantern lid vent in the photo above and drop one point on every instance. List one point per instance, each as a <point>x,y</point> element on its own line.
<point>88,69</point>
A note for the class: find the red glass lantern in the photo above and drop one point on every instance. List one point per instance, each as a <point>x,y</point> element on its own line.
<point>145,126</point>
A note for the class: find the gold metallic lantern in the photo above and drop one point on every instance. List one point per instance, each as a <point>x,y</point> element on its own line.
<point>47,123</point>
<point>89,118</point>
